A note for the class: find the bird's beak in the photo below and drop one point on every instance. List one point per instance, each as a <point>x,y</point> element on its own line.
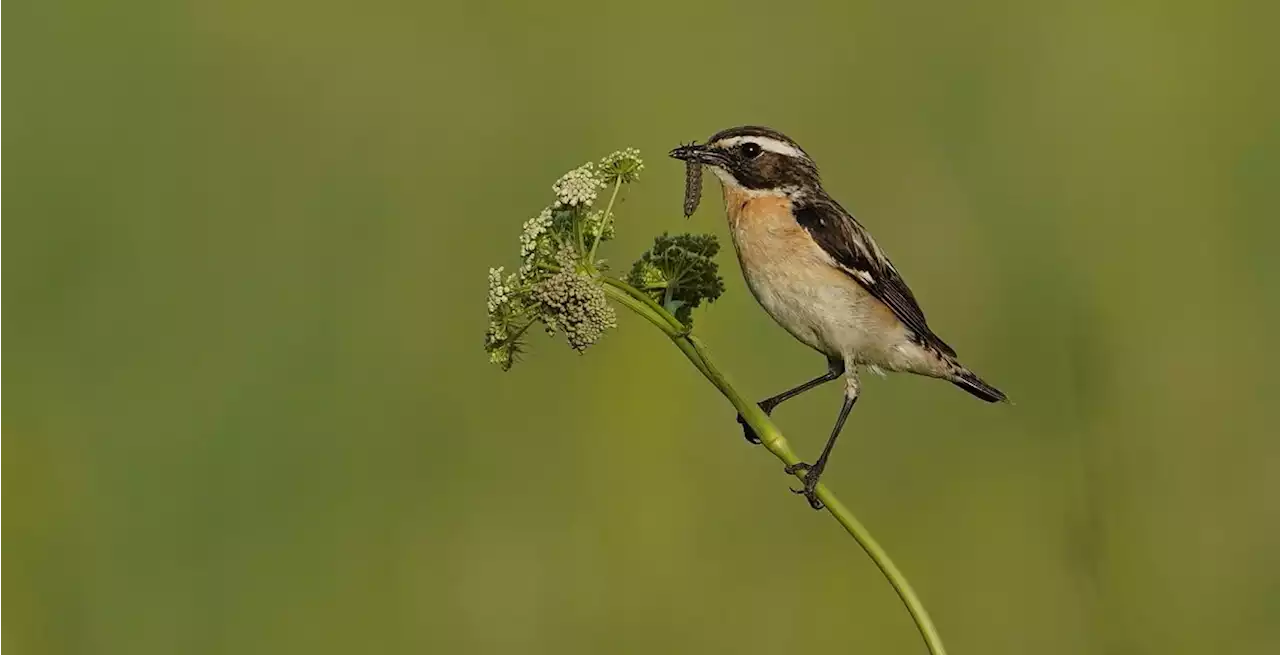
<point>699,154</point>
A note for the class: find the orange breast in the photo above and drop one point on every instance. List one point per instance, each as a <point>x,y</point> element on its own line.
<point>744,206</point>
<point>763,226</point>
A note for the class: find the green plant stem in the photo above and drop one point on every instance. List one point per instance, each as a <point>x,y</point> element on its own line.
<point>773,440</point>
<point>604,222</point>
<point>648,301</point>
<point>676,334</point>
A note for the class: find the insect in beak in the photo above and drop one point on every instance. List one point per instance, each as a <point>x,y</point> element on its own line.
<point>693,156</point>
<point>692,187</point>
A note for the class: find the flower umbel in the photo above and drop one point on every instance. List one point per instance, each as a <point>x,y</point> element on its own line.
<point>593,222</point>
<point>574,303</point>
<point>560,283</point>
<point>621,166</point>
<point>534,234</point>
<point>578,187</point>
<point>499,293</point>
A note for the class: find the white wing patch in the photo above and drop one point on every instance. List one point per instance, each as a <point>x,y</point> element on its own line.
<point>765,143</point>
<point>864,276</point>
<point>861,275</point>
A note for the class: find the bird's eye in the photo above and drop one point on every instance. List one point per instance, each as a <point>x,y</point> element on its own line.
<point>751,150</point>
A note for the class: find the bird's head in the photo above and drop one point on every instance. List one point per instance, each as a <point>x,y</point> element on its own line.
<point>755,158</point>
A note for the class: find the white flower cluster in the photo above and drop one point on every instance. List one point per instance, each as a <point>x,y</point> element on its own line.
<point>555,285</point>
<point>628,157</point>
<point>622,165</point>
<point>494,342</point>
<point>592,223</point>
<point>534,229</point>
<point>499,291</point>
<point>579,186</point>
<point>576,305</point>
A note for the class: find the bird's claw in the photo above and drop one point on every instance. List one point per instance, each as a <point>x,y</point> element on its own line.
<point>810,496</point>
<point>748,433</point>
<point>809,490</point>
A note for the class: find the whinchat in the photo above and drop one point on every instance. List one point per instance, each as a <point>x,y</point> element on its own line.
<point>819,274</point>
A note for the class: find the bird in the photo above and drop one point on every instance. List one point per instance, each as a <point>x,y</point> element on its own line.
<point>820,275</point>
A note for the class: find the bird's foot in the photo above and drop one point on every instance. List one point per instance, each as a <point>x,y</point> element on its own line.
<point>750,434</point>
<point>811,475</point>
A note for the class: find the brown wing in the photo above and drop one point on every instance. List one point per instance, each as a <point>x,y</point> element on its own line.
<point>853,249</point>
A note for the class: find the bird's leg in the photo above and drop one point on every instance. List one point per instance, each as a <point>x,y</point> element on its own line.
<point>835,368</point>
<point>813,472</point>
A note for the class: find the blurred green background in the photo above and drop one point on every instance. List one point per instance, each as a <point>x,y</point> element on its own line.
<point>245,277</point>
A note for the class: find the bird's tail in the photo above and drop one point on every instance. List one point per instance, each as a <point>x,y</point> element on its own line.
<point>969,381</point>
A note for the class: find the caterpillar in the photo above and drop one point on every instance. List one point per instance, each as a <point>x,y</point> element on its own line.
<point>692,187</point>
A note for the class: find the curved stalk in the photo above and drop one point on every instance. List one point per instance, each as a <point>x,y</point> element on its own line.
<point>604,222</point>
<point>648,301</point>
<point>677,334</point>
<point>773,440</point>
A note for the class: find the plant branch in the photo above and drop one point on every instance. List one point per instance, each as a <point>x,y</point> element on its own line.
<point>773,440</point>
<point>604,221</point>
<point>677,334</point>
<point>648,301</point>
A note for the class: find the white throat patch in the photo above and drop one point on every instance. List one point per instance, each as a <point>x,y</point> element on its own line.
<point>724,176</point>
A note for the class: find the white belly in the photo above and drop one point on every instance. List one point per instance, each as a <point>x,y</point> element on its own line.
<point>824,313</point>
<point>798,285</point>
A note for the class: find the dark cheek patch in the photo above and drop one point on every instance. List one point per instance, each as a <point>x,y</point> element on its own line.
<point>771,170</point>
<point>767,171</point>
<point>750,174</point>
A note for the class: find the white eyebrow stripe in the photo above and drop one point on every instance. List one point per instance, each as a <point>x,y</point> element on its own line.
<point>765,143</point>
